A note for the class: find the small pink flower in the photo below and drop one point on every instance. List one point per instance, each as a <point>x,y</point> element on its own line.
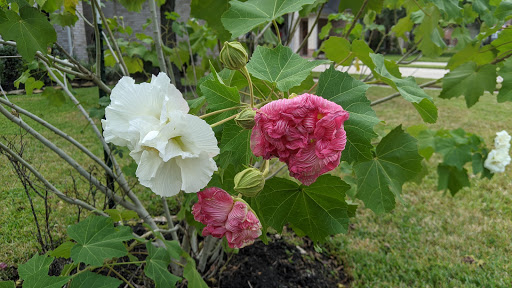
<point>224,215</point>
<point>306,132</point>
<point>213,206</point>
<point>242,226</point>
<point>3,265</point>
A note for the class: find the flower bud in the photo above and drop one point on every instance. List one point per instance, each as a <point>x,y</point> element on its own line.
<point>246,118</point>
<point>249,182</point>
<point>233,55</point>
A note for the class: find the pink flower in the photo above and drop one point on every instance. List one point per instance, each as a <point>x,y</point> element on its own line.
<point>242,226</point>
<point>213,206</point>
<point>306,132</point>
<point>3,265</point>
<point>224,215</point>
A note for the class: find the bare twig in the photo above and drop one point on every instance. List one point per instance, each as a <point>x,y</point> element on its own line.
<point>157,37</point>
<point>49,185</point>
<point>112,38</point>
<point>359,13</point>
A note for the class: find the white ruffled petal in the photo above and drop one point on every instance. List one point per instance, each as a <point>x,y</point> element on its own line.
<point>196,173</point>
<point>163,178</point>
<point>173,99</point>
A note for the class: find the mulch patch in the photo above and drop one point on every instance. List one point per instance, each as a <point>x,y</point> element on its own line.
<point>281,264</point>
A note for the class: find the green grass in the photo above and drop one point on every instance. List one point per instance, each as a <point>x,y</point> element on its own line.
<point>424,241</point>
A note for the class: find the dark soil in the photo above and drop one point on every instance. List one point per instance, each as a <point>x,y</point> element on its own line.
<point>280,264</point>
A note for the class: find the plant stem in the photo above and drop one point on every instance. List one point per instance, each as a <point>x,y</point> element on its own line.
<point>124,68</point>
<point>168,216</point>
<point>121,277</point>
<point>245,72</point>
<point>219,111</point>
<point>278,33</point>
<point>157,37</point>
<point>224,121</point>
<point>394,95</point>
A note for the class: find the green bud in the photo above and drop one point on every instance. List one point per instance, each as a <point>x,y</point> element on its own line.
<point>246,118</point>
<point>249,182</point>
<point>233,55</point>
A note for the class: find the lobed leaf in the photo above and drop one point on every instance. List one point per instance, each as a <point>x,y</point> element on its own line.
<point>380,180</point>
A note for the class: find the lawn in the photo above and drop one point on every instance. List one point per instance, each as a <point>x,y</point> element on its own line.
<point>430,240</point>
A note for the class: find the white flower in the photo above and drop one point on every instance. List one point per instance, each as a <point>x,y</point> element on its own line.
<point>497,160</point>
<point>173,149</point>
<point>502,140</point>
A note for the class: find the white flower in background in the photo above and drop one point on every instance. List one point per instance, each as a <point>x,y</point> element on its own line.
<point>497,160</point>
<point>173,149</point>
<point>499,157</point>
<point>502,140</point>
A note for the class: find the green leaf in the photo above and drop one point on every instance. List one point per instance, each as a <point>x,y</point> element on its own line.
<point>504,42</point>
<point>54,96</point>
<point>505,72</point>
<point>403,25</point>
<point>35,273</point>
<point>407,87</point>
<point>30,30</point>
<point>504,10</point>
<point>428,35</point>
<point>218,95</point>
<point>304,86</point>
<point>450,8</point>
<point>52,5</point>
<point>7,284</point>
<point>98,240</point>
<point>242,17</point>
<point>280,66</point>
<point>132,5</point>
<point>452,178</point>
<point>174,249</point>
<point>134,64</point>
<point>32,84</point>
<point>337,49</point>
<point>211,11</point>
<point>193,277</point>
<point>235,146</point>
<point>156,268</point>
<point>196,104</point>
<point>350,93</point>
<point>355,6</point>
<point>89,279</point>
<point>63,251</point>
<point>469,80</point>
<point>485,11</point>
<point>63,19</point>
<point>318,210</point>
<point>70,6</point>
<point>472,52</point>
<point>380,180</point>
<point>454,154</point>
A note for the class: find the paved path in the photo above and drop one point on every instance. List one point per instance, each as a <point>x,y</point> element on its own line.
<point>428,73</point>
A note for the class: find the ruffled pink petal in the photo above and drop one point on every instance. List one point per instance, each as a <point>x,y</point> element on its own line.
<point>305,132</point>
<point>213,206</point>
<point>215,231</point>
